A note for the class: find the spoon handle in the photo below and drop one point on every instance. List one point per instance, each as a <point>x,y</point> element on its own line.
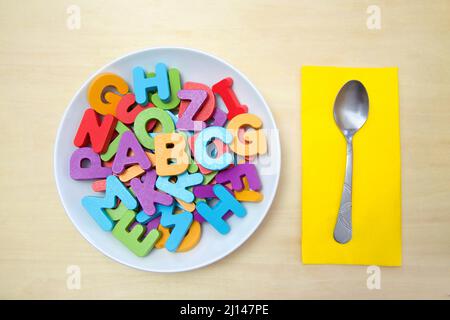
<point>343,228</point>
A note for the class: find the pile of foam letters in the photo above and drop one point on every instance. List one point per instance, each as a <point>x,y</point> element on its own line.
<point>166,157</point>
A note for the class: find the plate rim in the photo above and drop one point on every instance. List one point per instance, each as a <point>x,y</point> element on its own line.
<point>226,252</point>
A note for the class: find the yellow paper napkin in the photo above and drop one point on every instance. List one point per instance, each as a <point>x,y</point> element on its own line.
<point>376,207</point>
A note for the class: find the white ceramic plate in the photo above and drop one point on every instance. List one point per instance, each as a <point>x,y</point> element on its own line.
<point>194,66</point>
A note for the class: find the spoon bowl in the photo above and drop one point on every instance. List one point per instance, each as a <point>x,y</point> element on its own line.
<point>351,107</point>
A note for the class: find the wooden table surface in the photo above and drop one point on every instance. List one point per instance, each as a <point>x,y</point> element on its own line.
<point>43,62</point>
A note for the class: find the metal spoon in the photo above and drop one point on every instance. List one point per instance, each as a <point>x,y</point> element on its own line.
<point>351,109</point>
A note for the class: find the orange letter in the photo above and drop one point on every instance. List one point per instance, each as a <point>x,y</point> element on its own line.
<point>170,152</point>
<point>101,100</point>
<point>254,141</point>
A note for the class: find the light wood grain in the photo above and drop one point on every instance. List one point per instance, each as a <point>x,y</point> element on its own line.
<point>43,63</point>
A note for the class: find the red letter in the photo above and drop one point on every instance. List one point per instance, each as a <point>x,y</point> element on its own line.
<point>98,133</point>
<point>223,89</point>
